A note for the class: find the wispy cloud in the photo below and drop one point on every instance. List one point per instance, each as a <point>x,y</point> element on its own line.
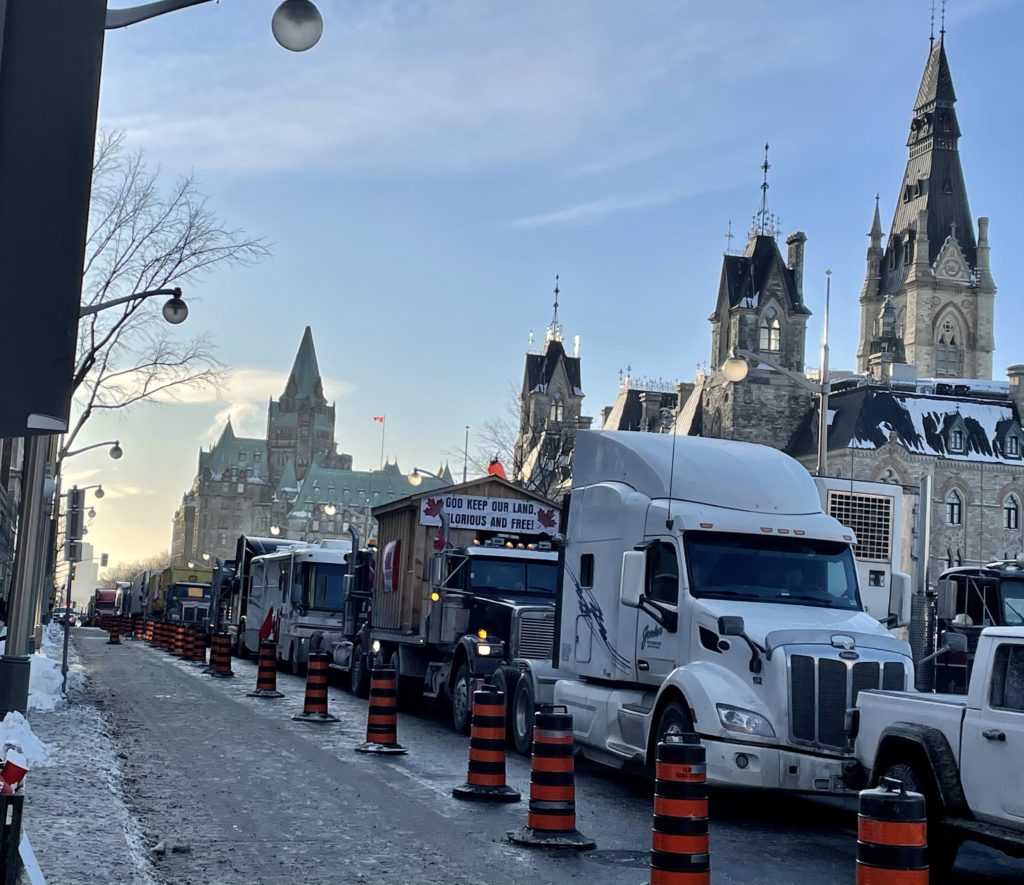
<point>596,210</point>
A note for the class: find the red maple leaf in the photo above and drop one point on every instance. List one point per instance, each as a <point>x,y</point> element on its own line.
<point>546,518</point>
<point>433,507</point>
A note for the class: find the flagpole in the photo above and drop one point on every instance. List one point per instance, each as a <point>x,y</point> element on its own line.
<point>383,425</point>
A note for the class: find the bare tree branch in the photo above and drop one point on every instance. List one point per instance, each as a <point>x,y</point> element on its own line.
<point>142,237</point>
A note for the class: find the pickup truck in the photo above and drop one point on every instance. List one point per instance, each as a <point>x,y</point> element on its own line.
<point>962,752</point>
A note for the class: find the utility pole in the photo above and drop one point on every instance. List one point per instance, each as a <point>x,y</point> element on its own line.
<point>465,456</point>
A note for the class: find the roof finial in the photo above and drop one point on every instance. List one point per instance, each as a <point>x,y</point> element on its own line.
<point>762,213</point>
<point>942,26</point>
<point>555,329</point>
<point>728,239</point>
<point>931,28</point>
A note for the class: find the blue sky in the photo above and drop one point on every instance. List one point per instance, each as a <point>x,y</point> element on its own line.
<point>428,168</point>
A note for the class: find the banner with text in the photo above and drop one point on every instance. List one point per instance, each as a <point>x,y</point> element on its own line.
<point>516,515</point>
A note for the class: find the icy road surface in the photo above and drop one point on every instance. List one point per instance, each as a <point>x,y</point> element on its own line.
<point>250,797</point>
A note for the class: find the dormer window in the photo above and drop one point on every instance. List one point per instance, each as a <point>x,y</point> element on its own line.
<point>956,440</point>
<point>1013,446</point>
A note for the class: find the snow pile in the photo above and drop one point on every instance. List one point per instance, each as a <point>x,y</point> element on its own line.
<point>44,683</point>
<point>15,730</point>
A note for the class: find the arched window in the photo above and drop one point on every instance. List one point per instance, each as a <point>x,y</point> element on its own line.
<point>771,332</point>
<point>947,350</point>
<point>556,409</point>
<point>1011,513</point>
<point>954,508</point>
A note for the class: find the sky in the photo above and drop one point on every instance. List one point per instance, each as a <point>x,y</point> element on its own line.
<point>427,169</point>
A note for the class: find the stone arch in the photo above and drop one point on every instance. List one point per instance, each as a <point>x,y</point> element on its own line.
<point>770,324</point>
<point>883,469</point>
<point>952,337</point>
<point>955,483</point>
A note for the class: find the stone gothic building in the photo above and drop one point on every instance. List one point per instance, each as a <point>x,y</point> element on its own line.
<point>294,483</point>
<point>550,413</point>
<point>923,401</point>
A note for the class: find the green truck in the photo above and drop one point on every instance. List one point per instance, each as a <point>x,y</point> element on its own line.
<point>180,595</point>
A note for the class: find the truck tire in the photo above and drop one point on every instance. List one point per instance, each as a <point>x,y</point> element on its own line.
<point>461,710</point>
<point>943,846</point>
<point>358,674</point>
<point>504,680</point>
<point>521,720</point>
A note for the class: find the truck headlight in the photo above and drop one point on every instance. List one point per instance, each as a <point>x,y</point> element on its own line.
<point>744,721</point>
<point>482,649</point>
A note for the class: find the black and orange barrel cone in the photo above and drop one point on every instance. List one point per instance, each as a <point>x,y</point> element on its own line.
<point>178,648</point>
<point>220,656</point>
<point>680,853</point>
<point>892,836</point>
<point>266,675</point>
<point>551,820</point>
<point>485,781</point>
<point>198,648</point>
<point>382,715</point>
<point>170,631</point>
<point>314,706</point>
<point>115,635</point>
<point>187,644</point>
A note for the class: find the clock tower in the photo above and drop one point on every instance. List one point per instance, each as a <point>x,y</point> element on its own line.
<point>933,273</point>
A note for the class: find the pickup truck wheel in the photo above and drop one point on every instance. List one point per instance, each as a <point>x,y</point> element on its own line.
<point>460,701</point>
<point>359,676</point>
<point>943,846</point>
<point>523,710</point>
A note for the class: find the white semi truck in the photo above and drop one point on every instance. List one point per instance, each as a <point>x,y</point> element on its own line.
<point>703,589</point>
<point>302,588</point>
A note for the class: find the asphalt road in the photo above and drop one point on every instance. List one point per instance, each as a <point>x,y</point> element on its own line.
<point>258,798</point>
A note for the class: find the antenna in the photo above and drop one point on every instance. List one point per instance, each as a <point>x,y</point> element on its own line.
<point>671,477</point>
<point>728,239</point>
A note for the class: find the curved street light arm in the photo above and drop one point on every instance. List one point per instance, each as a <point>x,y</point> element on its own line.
<point>121,18</point>
<point>109,442</point>
<point>795,377</point>
<point>135,296</point>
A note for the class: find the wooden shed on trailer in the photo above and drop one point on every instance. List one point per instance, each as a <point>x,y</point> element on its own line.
<point>410,530</point>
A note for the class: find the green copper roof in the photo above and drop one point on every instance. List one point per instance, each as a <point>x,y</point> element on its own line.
<point>288,478</point>
<point>239,452</point>
<point>356,488</point>
<point>305,371</point>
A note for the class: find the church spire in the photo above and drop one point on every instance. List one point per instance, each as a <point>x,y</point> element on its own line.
<point>304,381</point>
<point>555,331</point>
<point>933,180</point>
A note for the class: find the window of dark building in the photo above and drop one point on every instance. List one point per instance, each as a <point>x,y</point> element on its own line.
<point>954,508</point>
<point>956,440</point>
<point>1013,445</point>
<point>1011,513</point>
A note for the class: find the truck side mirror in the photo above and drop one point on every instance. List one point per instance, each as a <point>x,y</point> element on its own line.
<point>631,585</point>
<point>731,625</point>
<point>899,599</point>
<point>954,642</point>
<point>945,604</point>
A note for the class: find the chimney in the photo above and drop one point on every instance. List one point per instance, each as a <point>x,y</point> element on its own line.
<point>795,261</point>
<point>1016,376</point>
<point>984,251</point>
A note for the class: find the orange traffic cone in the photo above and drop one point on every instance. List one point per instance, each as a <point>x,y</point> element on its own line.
<point>382,715</point>
<point>485,781</point>
<point>266,675</point>
<point>679,839</point>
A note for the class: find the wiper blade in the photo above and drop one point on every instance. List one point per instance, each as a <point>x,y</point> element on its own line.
<point>807,597</point>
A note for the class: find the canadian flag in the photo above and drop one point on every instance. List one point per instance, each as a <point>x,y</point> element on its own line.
<point>269,628</point>
<point>378,419</point>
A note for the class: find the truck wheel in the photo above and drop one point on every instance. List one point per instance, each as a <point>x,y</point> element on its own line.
<point>523,710</point>
<point>943,846</point>
<point>504,680</point>
<point>460,701</point>
<point>359,676</point>
<point>294,664</point>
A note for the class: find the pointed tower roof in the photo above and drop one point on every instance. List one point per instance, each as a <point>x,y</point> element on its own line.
<point>304,380</point>
<point>288,478</point>
<point>933,181</point>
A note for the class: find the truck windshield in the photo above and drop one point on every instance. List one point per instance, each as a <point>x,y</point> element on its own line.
<point>1013,603</point>
<point>512,576</point>
<point>759,568</point>
<point>326,586</point>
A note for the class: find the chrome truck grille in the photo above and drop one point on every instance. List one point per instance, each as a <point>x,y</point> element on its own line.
<point>536,635</point>
<point>822,689</point>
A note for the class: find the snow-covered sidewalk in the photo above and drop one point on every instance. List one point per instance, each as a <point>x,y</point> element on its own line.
<point>75,817</point>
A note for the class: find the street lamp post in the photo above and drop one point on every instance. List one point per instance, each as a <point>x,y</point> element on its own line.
<point>736,367</point>
<point>175,310</point>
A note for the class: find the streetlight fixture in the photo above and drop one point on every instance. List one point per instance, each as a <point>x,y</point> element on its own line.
<point>115,449</point>
<point>175,310</point>
<point>275,530</point>
<point>736,367</point>
<point>416,477</point>
<point>297,25</point>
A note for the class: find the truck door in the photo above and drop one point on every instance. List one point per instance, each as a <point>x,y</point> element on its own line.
<point>656,645</point>
<point>993,741</point>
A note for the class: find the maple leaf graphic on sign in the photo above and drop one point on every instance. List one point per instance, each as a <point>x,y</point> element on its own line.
<point>433,506</point>
<point>546,518</point>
